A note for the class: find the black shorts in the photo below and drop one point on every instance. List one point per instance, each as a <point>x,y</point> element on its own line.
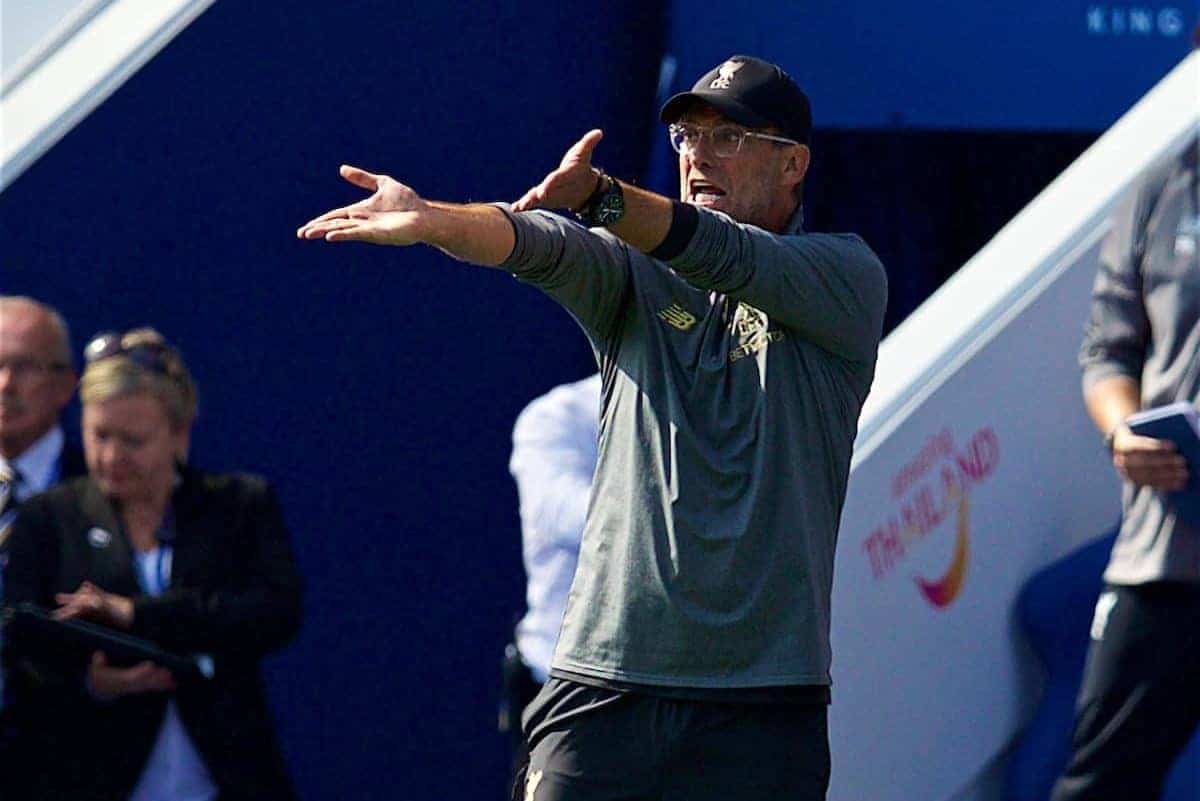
<point>598,744</point>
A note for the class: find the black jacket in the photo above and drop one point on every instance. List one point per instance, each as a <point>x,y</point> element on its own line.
<point>234,593</point>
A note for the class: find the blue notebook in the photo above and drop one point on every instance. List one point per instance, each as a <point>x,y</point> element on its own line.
<point>1179,423</point>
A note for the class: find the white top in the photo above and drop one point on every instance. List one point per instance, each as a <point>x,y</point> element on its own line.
<point>175,771</point>
<point>553,460</point>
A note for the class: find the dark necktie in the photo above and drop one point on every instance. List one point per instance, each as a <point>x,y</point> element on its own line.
<point>10,479</point>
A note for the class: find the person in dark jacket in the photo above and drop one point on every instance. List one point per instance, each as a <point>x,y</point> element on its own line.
<point>200,564</point>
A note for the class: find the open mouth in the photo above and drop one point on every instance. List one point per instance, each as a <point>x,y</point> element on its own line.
<point>705,193</point>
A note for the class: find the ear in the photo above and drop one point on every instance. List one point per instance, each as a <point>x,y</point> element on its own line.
<point>796,165</point>
<point>65,389</point>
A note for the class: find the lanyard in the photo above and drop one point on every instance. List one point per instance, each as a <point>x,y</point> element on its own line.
<point>154,567</point>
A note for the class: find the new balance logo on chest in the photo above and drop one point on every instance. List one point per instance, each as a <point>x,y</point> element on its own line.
<point>677,317</point>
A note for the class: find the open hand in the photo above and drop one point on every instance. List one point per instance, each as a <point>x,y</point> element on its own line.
<point>107,683</point>
<point>569,185</point>
<point>89,602</point>
<point>390,216</point>
<point>1149,462</point>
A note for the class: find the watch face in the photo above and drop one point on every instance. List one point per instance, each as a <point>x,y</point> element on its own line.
<point>611,209</point>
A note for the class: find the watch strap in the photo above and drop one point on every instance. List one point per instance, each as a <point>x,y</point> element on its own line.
<point>605,205</point>
<point>602,184</point>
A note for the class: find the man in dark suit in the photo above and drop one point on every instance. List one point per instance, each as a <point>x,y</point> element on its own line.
<point>37,381</point>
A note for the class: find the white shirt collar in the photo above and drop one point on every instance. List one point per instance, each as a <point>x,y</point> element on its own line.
<point>38,465</point>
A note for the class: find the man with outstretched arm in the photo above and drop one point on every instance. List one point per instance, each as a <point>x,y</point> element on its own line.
<point>735,353</point>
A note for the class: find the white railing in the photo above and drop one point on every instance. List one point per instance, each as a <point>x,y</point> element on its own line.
<point>81,63</point>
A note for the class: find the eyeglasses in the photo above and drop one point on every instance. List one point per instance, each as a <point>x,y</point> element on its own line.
<point>725,140</point>
<point>149,355</point>
<point>22,368</point>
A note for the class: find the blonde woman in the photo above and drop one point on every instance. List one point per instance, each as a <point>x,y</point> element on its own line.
<point>145,544</point>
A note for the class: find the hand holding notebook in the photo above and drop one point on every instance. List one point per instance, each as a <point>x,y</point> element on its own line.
<point>1179,423</point>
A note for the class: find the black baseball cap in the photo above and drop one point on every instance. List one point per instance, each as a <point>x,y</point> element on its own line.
<point>750,91</point>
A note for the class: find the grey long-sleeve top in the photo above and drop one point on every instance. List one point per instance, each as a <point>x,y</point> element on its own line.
<point>732,373</point>
<point>1145,324</point>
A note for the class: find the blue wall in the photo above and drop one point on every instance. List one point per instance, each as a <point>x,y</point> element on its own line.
<point>376,387</point>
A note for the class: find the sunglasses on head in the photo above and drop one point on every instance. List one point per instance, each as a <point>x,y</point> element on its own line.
<point>148,355</point>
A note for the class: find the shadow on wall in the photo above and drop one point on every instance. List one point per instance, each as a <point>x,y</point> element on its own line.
<point>1055,610</point>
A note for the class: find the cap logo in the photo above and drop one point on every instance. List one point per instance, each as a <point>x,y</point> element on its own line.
<point>725,74</point>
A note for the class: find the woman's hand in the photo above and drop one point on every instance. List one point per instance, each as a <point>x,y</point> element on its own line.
<point>89,602</point>
<point>107,683</point>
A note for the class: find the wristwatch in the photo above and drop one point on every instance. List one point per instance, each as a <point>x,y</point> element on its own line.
<point>605,205</point>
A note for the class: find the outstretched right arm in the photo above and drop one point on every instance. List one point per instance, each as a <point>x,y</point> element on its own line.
<point>396,215</point>
<point>584,271</point>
